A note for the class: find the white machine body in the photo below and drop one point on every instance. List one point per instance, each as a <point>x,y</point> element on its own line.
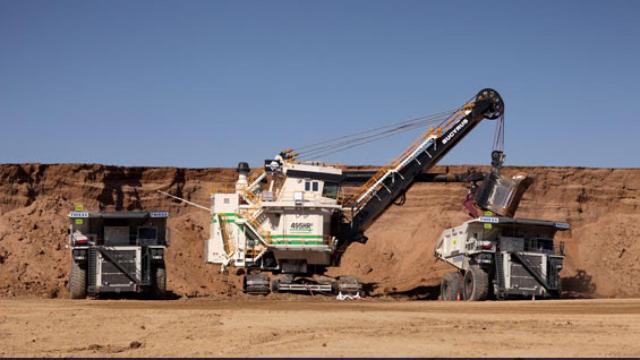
<point>288,214</point>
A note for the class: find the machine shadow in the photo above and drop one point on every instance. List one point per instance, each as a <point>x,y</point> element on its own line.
<point>169,295</point>
<point>579,286</point>
<point>417,293</point>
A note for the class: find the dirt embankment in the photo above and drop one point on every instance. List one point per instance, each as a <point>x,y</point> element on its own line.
<point>602,205</point>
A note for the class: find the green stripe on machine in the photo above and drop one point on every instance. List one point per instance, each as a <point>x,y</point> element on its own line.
<point>296,242</point>
<point>227,214</point>
<point>225,220</point>
<point>290,236</point>
<point>227,217</point>
<point>290,239</point>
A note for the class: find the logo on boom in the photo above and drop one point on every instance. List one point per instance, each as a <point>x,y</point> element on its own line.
<point>455,131</point>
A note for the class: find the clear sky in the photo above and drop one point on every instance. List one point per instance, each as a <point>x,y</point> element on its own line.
<point>211,83</point>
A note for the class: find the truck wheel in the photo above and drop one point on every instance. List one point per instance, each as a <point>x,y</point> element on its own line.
<point>159,281</point>
<point>476,284</point>
<point>77,281</point>
<point>451,286</point>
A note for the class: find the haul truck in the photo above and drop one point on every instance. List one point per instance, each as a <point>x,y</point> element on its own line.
<point>117,252</point>
<point>285,226</point>
<point>501,256</point>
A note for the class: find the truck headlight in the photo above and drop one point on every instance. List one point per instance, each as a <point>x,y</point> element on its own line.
<point>157,254</point>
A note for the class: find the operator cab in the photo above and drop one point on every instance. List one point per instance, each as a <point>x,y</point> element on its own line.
<point>304,183</point>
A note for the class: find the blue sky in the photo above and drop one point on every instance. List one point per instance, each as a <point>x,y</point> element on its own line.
<point>211,83</point>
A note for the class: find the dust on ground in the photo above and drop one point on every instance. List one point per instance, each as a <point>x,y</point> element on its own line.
<point>318,327</point>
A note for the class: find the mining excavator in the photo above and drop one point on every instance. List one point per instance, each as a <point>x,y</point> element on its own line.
<point>290,220</point>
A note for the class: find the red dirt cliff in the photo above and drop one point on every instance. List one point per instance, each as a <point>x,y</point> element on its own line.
<point>602,205</point>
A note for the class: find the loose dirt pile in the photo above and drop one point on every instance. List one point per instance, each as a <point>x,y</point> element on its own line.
<point>602,205</point>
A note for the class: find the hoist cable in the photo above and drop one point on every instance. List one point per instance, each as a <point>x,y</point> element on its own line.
<point>381,129</point>
<point>498,136</point>
<point>352,145</point>
<point>363,139</point>
<point>422,118</point>
<point>345,142</point>
<point>367,139</point>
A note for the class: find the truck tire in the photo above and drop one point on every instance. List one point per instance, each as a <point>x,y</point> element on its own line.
<point>159,281</point>
<point>476,284</point>
<point>77,281</point>
<point>451,286</point>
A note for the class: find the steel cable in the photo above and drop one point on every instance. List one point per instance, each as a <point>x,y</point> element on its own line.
<point>390,126</point>
<point>357,139</point>
<point>357,142</point>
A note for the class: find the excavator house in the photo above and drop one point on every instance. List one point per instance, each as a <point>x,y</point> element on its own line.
<point>293,219</point>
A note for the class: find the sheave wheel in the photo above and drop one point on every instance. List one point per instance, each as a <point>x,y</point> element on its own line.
<point>497,104</point>
<point>451,286</point>
<point>476,284</point>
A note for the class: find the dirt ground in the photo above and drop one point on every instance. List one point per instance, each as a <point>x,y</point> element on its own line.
<point>318,327</point>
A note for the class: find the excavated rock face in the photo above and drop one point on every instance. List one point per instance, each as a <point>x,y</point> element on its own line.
<point>602,206</point>
<point>35,200</point>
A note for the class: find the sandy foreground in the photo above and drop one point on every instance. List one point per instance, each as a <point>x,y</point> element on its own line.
<point>310,327</point>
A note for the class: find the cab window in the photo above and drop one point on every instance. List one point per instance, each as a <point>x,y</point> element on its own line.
<point>330,190</point>
<point>311,186</point>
